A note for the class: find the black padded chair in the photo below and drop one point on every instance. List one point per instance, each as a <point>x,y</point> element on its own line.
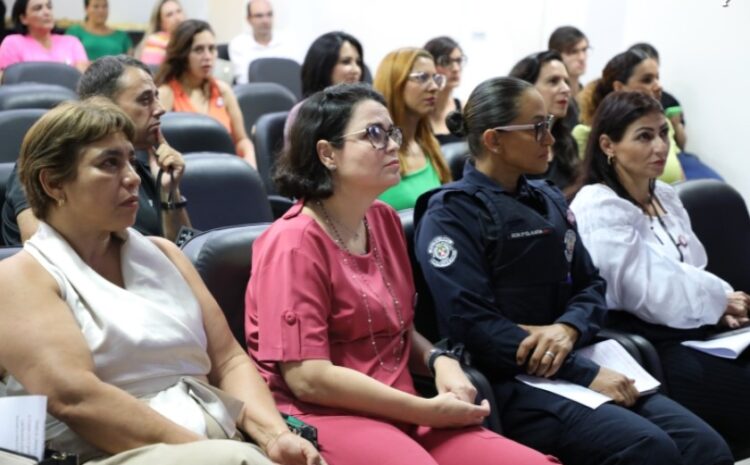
<point>13,127</point>
<point>456,154</point>
<point>33,95</point>
<point>223,258</point>
<point>720,219</point>
<point>259,98</point>
<point>269,140</point>
<point>223,190</point>
<point>222,51</point>
<point>5,170</point>
<point>195,132</point>
<point>366,74</point>
<point>282,71</point>
<point>6,252</point>
<point>43,72</point>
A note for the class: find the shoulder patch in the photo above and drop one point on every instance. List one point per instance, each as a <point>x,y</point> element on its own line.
<point>442,251</point>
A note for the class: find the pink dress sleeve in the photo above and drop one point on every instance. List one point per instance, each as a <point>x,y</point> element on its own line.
<point>291,293</point>
<point>10,51</point>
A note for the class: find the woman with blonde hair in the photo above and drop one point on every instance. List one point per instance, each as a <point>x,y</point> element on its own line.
<point>165,17</point>
<point>409,82</point>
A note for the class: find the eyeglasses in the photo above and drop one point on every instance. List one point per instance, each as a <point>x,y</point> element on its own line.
<point>379,136</point>
<point>445,61</point>
<point>423,78</point>
<point>540,129</point>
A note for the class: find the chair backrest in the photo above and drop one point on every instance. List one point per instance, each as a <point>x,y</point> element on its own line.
<point>223,190</point>
<point>282,71</point>
<point>425,319</point>
<point>456,154</point>
<point>13,127</point>
<point>6,252</point>
<point>195,132</point>
<point>720,219</point>
<point>5,170</point>
<point>33,95</point>
<point>269,140</point>
<point>222,51</point>
<point>43,72</point>
<point>223,258</point>
<point>259,98</point>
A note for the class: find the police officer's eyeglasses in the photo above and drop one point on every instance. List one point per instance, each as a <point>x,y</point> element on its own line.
<point>445,61</point>
<point>540,129</point>
<point>378,135</point>
<point>424,78</point>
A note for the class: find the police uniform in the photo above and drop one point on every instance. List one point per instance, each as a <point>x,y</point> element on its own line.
<point>493,260</point>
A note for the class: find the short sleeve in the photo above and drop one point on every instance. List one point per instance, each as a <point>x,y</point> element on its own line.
<point>291,296</point>
<point>10,51</point>
<point>77,50</point>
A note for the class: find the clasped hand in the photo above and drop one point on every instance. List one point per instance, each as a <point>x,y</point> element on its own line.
<point>736,313</point>
<point>545,348</point>
<point>454,405</point>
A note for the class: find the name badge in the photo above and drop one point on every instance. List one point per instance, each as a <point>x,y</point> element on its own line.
<point>529,233</point>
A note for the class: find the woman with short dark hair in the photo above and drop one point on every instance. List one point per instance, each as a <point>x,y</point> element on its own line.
<point>141,367</point>
<point>329,316</point>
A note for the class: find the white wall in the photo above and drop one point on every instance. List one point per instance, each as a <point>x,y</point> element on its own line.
<point>704,45</point>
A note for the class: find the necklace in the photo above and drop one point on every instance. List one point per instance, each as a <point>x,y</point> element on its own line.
<point>663,226</point>
<point>358,275</point>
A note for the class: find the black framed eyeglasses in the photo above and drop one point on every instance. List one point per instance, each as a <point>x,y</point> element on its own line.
<point>378,135</point>
<point>540,129</point>
<point>424,78</point>
<point>446,61</point>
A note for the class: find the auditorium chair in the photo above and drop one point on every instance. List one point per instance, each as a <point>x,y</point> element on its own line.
<point>456,154</point>
<point>259,98</point>
<point>269,140</point>
<point>6,252</point>
<point>195,132</point>
<point>222,51</point>
<point>13,127</point>
<point>720,219</point>
<point>34,95</point>
<point>223,190</point>
<point>282,71</point>
<point>42,72</point>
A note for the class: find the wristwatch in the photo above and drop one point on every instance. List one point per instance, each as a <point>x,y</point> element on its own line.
<point>438,352</point>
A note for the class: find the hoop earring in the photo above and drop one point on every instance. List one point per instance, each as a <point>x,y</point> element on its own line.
<point>610,157</point>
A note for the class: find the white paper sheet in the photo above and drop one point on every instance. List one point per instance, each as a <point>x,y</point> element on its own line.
<point>724,347</point>
<point>22,424</point>
<point>608,354</point>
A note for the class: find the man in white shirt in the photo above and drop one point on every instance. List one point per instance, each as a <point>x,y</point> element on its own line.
<point>259,43</point>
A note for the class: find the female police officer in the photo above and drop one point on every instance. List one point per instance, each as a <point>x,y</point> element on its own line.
<point>511,281</point>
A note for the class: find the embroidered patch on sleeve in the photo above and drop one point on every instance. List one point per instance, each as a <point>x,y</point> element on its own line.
<point>442,252</point>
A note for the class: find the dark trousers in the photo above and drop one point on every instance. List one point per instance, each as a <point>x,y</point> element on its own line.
<point>655,431</point>
<point>716,389</point>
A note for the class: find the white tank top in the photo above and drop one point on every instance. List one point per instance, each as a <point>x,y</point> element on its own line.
<point>147,338</point>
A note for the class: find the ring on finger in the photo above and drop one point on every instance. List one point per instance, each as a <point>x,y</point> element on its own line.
<point>549,353</point>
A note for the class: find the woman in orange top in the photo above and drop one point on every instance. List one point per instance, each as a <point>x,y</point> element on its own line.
<point>186,83</point>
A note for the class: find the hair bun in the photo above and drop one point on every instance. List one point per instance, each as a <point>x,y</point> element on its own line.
<point>456,123</point>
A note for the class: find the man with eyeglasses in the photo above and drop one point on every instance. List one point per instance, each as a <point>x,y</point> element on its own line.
<point>257,43</point>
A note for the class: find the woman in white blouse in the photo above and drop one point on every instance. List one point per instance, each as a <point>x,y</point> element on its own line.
<point>639,236</point>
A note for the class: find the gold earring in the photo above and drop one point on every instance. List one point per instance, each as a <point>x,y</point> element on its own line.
<point>610,157</point>
<point>60,202</point>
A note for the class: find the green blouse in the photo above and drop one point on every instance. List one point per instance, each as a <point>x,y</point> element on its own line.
<point>404,194</point>
<point>98,46</point>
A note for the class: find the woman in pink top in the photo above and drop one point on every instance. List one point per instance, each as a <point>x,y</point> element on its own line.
<point>329,316</point>
<point>165,17</point>
<point>36,42</point>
